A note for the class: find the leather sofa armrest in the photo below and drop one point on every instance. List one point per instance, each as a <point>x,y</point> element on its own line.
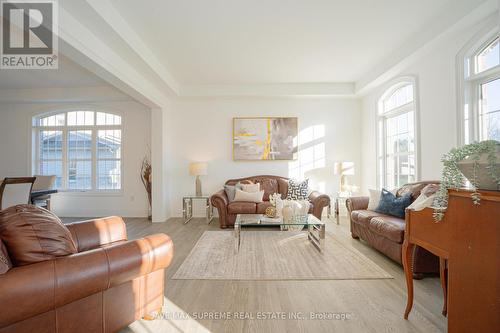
<point>92,234</point>
<point>219,198</point>
<point>220,201</point>
<point>34,289</point>
<point>319,201</point>
<point>357,203</point>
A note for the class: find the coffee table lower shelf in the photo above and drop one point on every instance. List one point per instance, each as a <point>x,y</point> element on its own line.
<point>314,227</point>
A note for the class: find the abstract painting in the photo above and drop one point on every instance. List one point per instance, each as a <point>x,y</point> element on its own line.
<point>265,138</point>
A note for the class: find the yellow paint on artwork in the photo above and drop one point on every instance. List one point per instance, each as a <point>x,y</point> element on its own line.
<point>245,134</point>
<point>259,142</point>
<point>267,148</point>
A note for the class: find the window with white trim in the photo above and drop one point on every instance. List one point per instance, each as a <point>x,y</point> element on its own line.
<point>481,92</point>
<point>81,148</point>
<point>396,136</point>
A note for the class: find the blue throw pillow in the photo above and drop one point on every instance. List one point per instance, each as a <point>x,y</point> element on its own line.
<point>392,205</point>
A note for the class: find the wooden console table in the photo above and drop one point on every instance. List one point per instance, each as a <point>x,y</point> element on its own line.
<point>467,241</point>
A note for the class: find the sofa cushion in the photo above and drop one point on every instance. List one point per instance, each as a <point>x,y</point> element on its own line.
<point>413,189</point>
<point>269,186</point>
<point>363,217</point>
<point>32,234</point>
<point>242,207</point>
<point>283,187</point>
<point>262,206</point>
<point>5,263</point>
<point>390,227</point>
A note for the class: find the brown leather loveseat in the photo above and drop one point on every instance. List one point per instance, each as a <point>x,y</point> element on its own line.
<point>386,233</point>
<point>108,284</point>
<point>270,184</point>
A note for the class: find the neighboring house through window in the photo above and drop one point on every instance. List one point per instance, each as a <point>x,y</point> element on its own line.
<point>479,74</point>
<point>81,148</point>
<point>396,137</point>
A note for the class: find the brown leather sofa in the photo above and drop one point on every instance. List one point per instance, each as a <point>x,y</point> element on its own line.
<point>108,284</point>
<point>270,184</point>
<point>386,233</point>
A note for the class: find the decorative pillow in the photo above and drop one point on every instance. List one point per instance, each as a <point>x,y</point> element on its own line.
<point>430,189</point>
<point>231,191</point>
<point>391,205</point>
<point>297,190</point>
<point>33,234</point>
<point>248,196</point>
<point>423,201</point>
<point>5,263</point>
<point>251,188</point>
<point>375,198</point>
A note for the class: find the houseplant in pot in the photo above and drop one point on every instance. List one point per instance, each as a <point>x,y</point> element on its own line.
<point>477,162</point>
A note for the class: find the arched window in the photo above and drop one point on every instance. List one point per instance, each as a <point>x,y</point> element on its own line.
<point>480,90</point>
<point>82,148</point>
<point>396,137</point>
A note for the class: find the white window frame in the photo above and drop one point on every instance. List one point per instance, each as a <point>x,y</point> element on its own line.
<point>469,82</point>
<point>381,147</point>
<point>35,130</point>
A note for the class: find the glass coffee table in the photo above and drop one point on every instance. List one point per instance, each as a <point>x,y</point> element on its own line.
<point>314,227</point>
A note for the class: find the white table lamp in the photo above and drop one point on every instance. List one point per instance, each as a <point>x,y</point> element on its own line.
<point>198,169</point>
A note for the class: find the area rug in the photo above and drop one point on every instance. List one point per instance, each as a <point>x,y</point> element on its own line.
<point>274,255</point>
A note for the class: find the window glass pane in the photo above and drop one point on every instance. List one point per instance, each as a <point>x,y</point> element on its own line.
<point>55,120</point>
<point>109,144</point>
<point>80,118</point>
<point>80,160</point>
<point>51,168</point>
<point>80,145</point>
<point>489,115</point>
<point>489,57</point>
<point>79,175</point>
<point>50,145</point>
<point>400,97</point>
<point>108,119</point>
<point>109,175</point>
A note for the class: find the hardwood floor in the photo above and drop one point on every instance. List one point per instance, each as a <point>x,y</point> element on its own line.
<point>346,305</point>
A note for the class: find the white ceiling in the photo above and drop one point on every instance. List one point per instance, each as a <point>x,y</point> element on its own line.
<point>69,75</point>
<point>277,41</point>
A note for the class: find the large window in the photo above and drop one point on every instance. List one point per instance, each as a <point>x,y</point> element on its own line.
<point>480,112</point>
<point>396,136</point>
<point>82,148</point>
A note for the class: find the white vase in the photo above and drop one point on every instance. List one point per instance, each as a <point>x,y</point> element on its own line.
<point>279,207</point>
<point>484,179</point>
<point>287,213</point>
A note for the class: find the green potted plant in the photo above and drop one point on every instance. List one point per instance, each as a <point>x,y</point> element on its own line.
<point>477,162</point>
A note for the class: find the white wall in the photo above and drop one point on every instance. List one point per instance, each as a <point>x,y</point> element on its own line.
<point>15,152</point>
<point>436,77</point>
<point>201,130</point>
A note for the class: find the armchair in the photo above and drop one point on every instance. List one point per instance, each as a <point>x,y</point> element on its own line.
<point>107,285</point>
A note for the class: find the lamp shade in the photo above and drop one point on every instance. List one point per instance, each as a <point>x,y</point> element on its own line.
<point>344,168</point>
<point>198,169</point>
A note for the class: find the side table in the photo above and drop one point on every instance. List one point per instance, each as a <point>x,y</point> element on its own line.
<point>340,198</point>
<point>187,207</point>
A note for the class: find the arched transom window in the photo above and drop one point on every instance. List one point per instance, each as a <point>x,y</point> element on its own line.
<point>81,148</point>
<point>396,136</point>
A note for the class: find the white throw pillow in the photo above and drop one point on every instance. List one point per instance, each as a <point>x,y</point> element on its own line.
<point>252,188</point>
<point>249,196</point>
<point>375,198</point>
<point>422,202</point>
